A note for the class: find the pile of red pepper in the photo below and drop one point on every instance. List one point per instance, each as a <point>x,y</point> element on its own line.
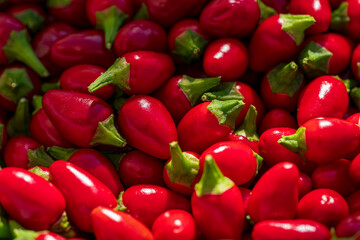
<point>180,119</point>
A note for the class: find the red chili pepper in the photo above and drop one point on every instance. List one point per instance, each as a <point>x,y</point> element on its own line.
<point>111,225</point>
<point>86,123</point>
<point>354,202</point>
<point>226,57</point>
<point>327,53</point>
<point>323,140</point>
<point>236,160</point>
<point>218,199</point>
<point>85,47</point>
<point>187,41</point>
<point>31,15</point>
<point>277,39</point>
<point>180,170</point>
<point>14,45</point>
<point>319,9</point>
<point>346,18</point>
<point>108,15</point>
<point>354,168</point>
<point>349,227</point>
<point>82,191</point>
<point>281,87</point>
<point>290,229</point>
<point>136,168</point>
<point>335,176</point>
<point>79,77</point>
<point>305,184</point>
<point>175,224</point>
<point>275,195</point>
<point>16,82</point>
<point>16,151</point>
<point>355,62</point>
<point>43,41</point>
<point>228,18</point>
<point>324,206</point>
<point>147,202</point>
<point>29,199</point>
<point>140,35</point>
<point>207,124</point>
<point>277,118</point>
<point>72,12</point>
<point>147,125</point>
<point>140,72</point>
<point>180,93</point>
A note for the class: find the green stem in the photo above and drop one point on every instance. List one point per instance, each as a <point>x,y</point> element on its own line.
<point>110,20</point>
<point>259,162</point>
<point>355,96</point>
<point>57,3</point>
<point>248,127</point>
<point>60,153</point>
<point>114,157</point>
<point>118,74</point>
<point>224,91</point>
<point>106,133</point>
<point>340,18</point>
<point>183,167</point>
<point>37,103</point>
<point>349,83</point>
<point>31,19</point>
<point>19,124</point>
<point>295,25</point>
<point>120,206</point>
<point>41,173</point>
<point>226,111</point>
<point>63,227</point>
<point>265,11</point>
<point>193,88</point>
<point>4,229</point>
<point>48,86</point>
<point>296,142</point>
<point>20,233</point>
<point>39,157</point>
<point>142,13</point>
<point>18,48</point>
<point>212,181</point>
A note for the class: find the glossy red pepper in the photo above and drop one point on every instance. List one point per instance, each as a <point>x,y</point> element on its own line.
<point>140,72</point>
<point>281,87</point>
<point>31,15</point>
<point>180,170</point>
<point>79,77</point>
<point>14,45</point>
<point>140,35</point>
<point>207,124</point>
<point>346,18</point>
<point>227,58</point>
<point>180,93</point>
<point>108,15</point>
<point>354,169</point>
<point>230,18</point>
<point>82,191</point>
<point>147,125</point>
<point>305,184</point>
<point>319,9</point>
<point>175,224</point>
<point>72,12</point>
<point>111,225</point>
<point>85,47</point>
<point>16,151</point>
<point>147,202</point>
<point>323,140</point>
<point>277,118</point>
<point>349,226</point>
<point>16,82</point>
<point>137,168</point>
<point>327,53</point>
<point>335,176</point>
<point>88,122</point>
<point>276,40</point>
<point>43,41</point>
<point>324,206</point>
<point>236,160</point>
<point>216,197</point>
<point>187,41</point>
<point>29,199</point>
<point>290,229</point>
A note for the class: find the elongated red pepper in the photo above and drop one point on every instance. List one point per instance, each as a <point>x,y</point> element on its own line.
<point>14,45</point>
<point>111,225</point>
<point>290,229</point>
<point>275,195</point>
<point>147,125</point>
<point>31,15</point>
<point>86,123</point>
<point>140,72</point>
<point>29,199</point>
<point>276,40</point>
<point>85,47</point>
<point>216,197</point>
<point>323,140</point>
<point>147,202</point>
<point>108,15</point>
<point>277,118</point>
<point>82,191</point>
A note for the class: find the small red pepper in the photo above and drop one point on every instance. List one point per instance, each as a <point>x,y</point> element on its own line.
<point>16,151</point>
<point>349,227</point>
<point>277,118</point>
<point>354,169</point>
<point>305,184</point>
<point>355,62</point>
<point>354,202</point>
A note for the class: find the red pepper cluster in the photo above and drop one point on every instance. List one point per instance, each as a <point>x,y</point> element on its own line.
<point>180,119</point>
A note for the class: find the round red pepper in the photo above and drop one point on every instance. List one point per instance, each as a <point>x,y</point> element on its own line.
<point>277,118</point>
